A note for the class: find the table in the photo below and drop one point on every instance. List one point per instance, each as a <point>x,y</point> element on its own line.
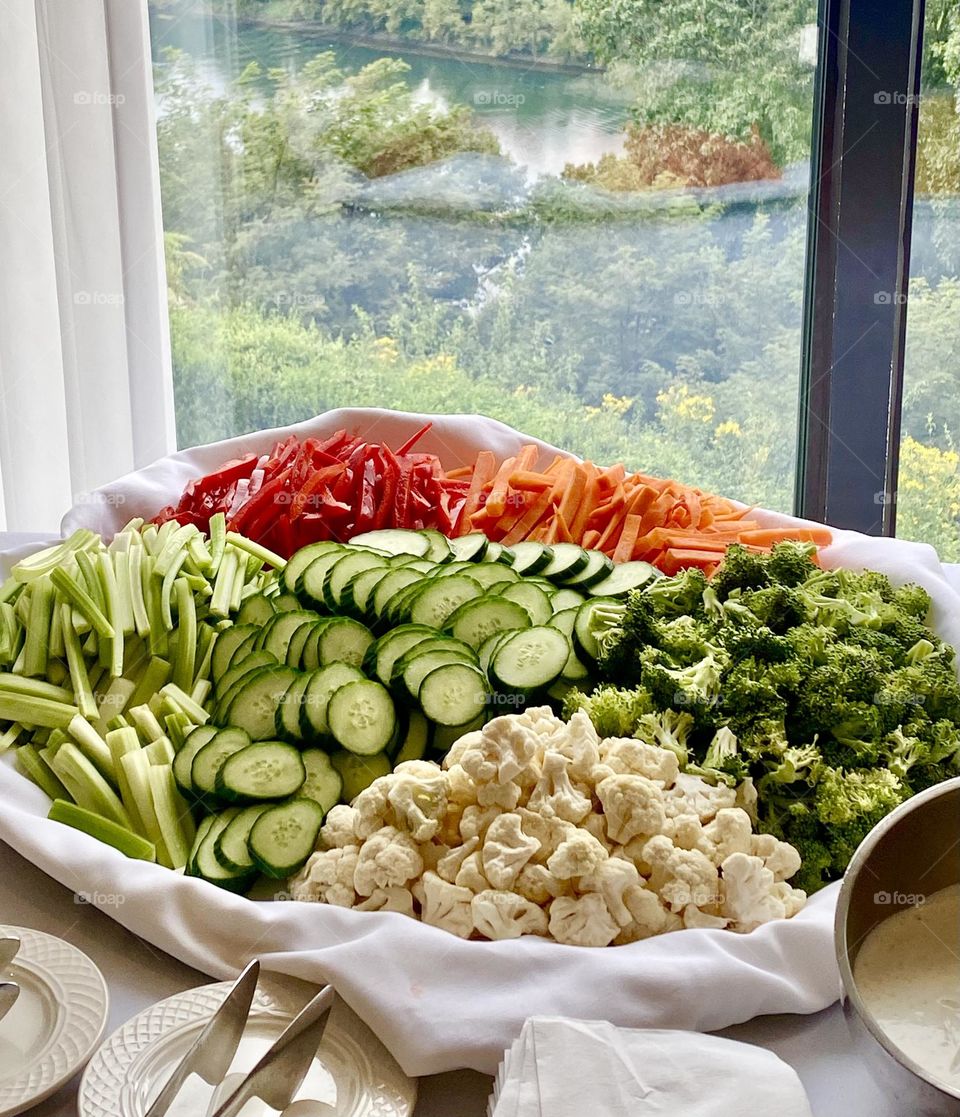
<point>138,975</point>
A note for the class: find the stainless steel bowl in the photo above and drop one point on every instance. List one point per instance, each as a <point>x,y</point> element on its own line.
<point>914,851</point>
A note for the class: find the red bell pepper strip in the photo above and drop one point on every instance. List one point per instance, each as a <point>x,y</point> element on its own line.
<point>260,503</point>
<point>412,441</point>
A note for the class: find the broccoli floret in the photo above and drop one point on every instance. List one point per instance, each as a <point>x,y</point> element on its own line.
<point>686,640</point>
<point>669,730</point>
<point>756,642</point>
<point>694,688</point>
<point>933,681</point>
<point>779,607</point>
<point>790,564</point>
<point>723,757</point>
<point>858,798</point>
<point>882,643</point>
<point>681,595</point>
<point>920,651</point>
<point>811,642</point>
<point>631,628</point>
<point>902,752</point>
<point>750,691</point>
<point>615,712</point>
<point>912,600</point>
<point>741,570</point>
<point>856,740</point>
<point>762,738</point>
<point>797,762</point>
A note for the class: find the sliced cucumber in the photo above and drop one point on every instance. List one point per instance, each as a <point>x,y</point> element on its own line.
<point>532,598</point>
<point>597,567</point>
<point>441,597</point>
<point>454,694</point>
<point>286,602</point>
<point>414,667</point>
<point>298,562</point>
<point>476,620</point>
<point>530,557</point>
<point>439,549</point>
<point>256,609</point>
<point>226,644</point>
<point>276,635</point>
<point>443,737</point>
<point>392,645</point>
<point>310,656</point>
<point>322,685</point>
<point>416,739</point>
<point>283,837</point>
<point>362,717</point>
<point>254,707</point>
<point>203,828</point>
<point>253,661</point>
<point>298,641</point>
<point>624,577</point>
<point>566,599</point>
<point>349,566</point>
<point>530,661</point>
<point>230,848</point>
<point>290,709</point>
<point>395,541</point>
<point>266,770</point>
<point>356,593</point>
<point>388,586</point>
<point>344,641</point>
<point>205,864</point>
<point>493,574</point>
<point>469,548</point>
<point>324,783</point>
<point>358,772</point>
<point>208,760</point>
<point>573,670</point>
<point>183,761</point>
<point>567,560</point>
<point>314,578</point>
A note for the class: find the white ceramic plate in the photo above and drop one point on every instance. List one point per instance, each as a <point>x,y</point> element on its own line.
<point>56,1022</point>
<point>353,1071</point>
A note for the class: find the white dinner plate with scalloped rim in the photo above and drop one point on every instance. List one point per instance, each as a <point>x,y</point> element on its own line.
<point>56,1022</point>
<point>353,1074</point>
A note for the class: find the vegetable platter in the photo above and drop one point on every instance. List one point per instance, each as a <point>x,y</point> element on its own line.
<point>392,969</point>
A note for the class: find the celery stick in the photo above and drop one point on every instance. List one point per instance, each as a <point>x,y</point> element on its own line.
<point>265,556</point>
<point>114,611</point>
<point>137,768</point>
<point>57,672</point>
<point>91,580</point>
<point>93,747</point>
<point>206,638</point>
<point>201,691</point>
<point>156,675</point>
<point>83,602</point>
<point>166,589</point>
<point>133,528</point>
<point>159,637</point>
<point>174,549</point>
<point>10,736</point>
<point>138,602</point>
<point>146,723</point>
<point>82,688</point>
<point>199,554</point>
<point>37,647</point>
<point>119,722</point>
<point>121,742</point>
<point>183,667</point>
<point>239,581</point>
<point>10,590</point>
<point>126,841</point>
<point>87,786</point>
<point>199,586</point>
<point>121,571</point>
<point>121,543</point>
<point>57,646</point>
<point>160,751</point>
<point>33,688</point>
<point>114,700</point>
<point>29,762</point>
<point>18,663</point>
<point>195,712</point>
<point>54,739</point>
<point>39,712</point>
<point>218,539</point>
<point>43,562</point>
<point>178,726</point>
<point>223,587</point>
<point>172,813</point>
<point>136,656</point>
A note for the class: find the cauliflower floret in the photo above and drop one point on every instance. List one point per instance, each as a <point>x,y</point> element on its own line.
<point>695,917</point>
<point>339,827</point>
<point>747,798</point>
<point>328,877</point>
<point>505,796</point>
<point>688,832</point>
<point>748,893</point>
<point>475,820</point>
<point>630,756</point>
<point>470,875</point>
<point>538,885</point>
<point>580,745</point>
<point>506,747</point>
<point>447,906</point>
<point>649,916</point>
<point>632,805</point>
<point>460,788</point>
<point>432,853</point>
<point>612,879</point>
<point>582,921</point>
<point>596,825</point>
<point>505,915</point>
<point>680,876</point>
<point>729,832</point>
<point>779,857</point>
<point>449,865</point>
<point>468,741</point>
<point>388,858</point>
<point>693,795</point>
<point>389,899</point>
<point>417,797</point>
<point>549,832</point>
<point>579,855</point>
<point>373,808</point>
<point>554,795</point>
<point>793,899</point>
<point>506,849</point>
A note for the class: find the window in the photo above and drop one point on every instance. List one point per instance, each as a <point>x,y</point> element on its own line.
<point>587,219</point>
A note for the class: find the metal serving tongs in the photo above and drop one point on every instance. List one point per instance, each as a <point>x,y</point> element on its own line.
<point>279,1073</point>
<point>9,990</point>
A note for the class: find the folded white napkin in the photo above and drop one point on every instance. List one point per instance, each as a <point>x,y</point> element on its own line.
<point>567,1068</point>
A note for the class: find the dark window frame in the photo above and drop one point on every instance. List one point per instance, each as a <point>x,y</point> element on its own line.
<point>863,161</point>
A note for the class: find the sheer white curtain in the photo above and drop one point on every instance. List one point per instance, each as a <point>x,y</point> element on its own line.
<point>85,384</point>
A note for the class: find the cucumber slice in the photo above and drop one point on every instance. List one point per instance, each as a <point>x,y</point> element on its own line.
<point>256,609</point>
<point>290,709</point>
<point>391,646</point>
<point>276,635</point>
<point>357,592</point>
<point>253,661</point>
<point>454,694</point>
<point>362,717</point>
<point>286,602</point>
<point>532,598</point>
<point>314,578</point>
<point>300,560</point>
<point>585,627</point>
<point>283,837</point>
<point>230,848</point>
<point>183,761</point>
<point>414,667</point>
<point>597,567</point>
<point>530,557</point>
<point>257,699</point>
<point>493,574</point>
<point>489,646</point>
<point>209,759</point>
<point>494,551</point>
<point>440,598</point>
<point>574,669</point>
<point>442,737</point>
<point>310,656</point>
<point>238,677</point>
<point>566,599</point>
<point>203,828</point>
<point>476,620</point>
<point>388,586</point>
<point>205,864</point>
<point>103,829</point>
<point>397,609</point>
<point>438,549</point>
<point>225,644</point>
<point>298,641</point>
<point>266,770</point>
<point>344,641</point>
<point>323,783</point>
<point>567,560</point>
<point>624,577</point>
<point>416,740</point>
<point>395,541</point>
<point>469,548</point>
<point>358,772</point>
<point>345,568</point>
<point>530,661</point>
<point>322,686</point>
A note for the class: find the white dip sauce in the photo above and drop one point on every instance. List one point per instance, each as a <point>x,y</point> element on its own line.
<point>908,973</point>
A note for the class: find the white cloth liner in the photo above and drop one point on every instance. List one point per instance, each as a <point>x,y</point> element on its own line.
<point>439,1003</point>
<point>565,1068</point>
